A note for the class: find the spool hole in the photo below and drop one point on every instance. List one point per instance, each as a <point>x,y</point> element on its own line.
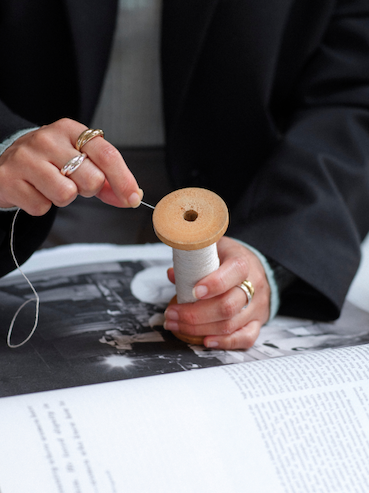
<point>190,215</point>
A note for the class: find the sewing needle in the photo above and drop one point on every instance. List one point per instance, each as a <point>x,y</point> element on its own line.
<point>147,205</point>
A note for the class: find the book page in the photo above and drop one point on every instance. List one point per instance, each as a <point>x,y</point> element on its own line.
<point>312,413</point>
<point>159,434</point>
<point>286,425</point>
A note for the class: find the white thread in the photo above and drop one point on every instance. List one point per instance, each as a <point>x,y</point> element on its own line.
<point>147,205</point>
<point>190,267</point>
<point>36,298</point>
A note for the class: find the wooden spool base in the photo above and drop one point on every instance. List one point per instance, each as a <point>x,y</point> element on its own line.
<point>194,340</point>
<point>190,219</point>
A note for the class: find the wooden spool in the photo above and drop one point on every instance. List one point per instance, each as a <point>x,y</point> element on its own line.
<point>190,219</point>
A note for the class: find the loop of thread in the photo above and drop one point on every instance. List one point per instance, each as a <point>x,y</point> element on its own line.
<point>36,298</point>
<point>191,266</point>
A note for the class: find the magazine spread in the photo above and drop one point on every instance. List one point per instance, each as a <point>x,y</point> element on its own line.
<point>75,417</point>
<point>287,425</point>
<point>101,320</point>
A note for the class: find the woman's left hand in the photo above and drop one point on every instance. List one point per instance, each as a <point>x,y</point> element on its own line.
<point>220,314</point>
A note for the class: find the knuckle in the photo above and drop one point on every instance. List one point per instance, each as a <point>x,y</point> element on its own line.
<point>65,194</point>
<point>68,127</point>
<point>64,124</point>
<point>227,328</point>
<point>190,318</point>
<point>248,341</point>
<point>228,307</point>
<point>39,208</point>
<point>107,155</point>
<point>98,180</point>
<point>233,342</point>
<point>21,155</point>
<point>64,121</point>
<point>220,283</point>
<point>241,265</point>
<point>43,139</point>
<point>92,184</point>
<point>5,177</point>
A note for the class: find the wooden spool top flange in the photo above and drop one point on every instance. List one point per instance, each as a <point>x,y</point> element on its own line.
<point>190,218</point>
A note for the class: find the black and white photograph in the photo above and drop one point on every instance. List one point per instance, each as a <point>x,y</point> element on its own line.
<point>92,328</point>
<point>103,321</point>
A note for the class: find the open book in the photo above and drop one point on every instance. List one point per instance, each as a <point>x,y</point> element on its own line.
<point>282,417</point>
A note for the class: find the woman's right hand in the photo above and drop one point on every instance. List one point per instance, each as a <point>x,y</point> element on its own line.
<point>30,176</point>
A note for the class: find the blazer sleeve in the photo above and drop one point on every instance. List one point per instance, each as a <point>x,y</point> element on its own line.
<point>308,207</point>
<point>29,231</point>
<point>11,123</point>
<point>29,234</point>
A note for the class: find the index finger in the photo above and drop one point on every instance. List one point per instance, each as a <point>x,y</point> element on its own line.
<point>231,273</point>
<point>121,181</point>
<point>234,268</point>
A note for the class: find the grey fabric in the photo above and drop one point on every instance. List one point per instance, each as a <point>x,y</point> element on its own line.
<point>130,106</point>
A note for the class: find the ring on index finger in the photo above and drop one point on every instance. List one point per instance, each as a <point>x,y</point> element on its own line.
<point>87,135</point>
<point>248,289</point>
<point>73,164</point>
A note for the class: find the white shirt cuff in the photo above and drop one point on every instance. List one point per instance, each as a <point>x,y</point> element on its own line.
<point>7,143</point>
<point>274,291</point>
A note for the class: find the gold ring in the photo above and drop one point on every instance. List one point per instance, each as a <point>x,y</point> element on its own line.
<point>249,286</point>
<point>248,289</point>
<point>87,135</point>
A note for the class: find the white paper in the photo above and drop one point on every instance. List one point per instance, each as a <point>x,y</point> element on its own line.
<point>284,425</point>
<point>296,424</point>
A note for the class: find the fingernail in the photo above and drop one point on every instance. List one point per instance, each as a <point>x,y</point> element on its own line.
<point>134,200</point>
<point>170,325</point>
<point>211,344</point>
<point>200,291</point>
<point>171,314</point>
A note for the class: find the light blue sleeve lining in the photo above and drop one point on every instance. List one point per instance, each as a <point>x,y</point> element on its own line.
<point>274,291</point>
<point>7,143</point>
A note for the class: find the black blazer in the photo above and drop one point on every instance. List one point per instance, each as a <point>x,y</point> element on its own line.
<point>266,102</point>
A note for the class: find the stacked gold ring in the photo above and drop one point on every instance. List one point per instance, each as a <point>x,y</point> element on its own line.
<point>249,286</point>
<point>248,289</point>
<point>87,135</point>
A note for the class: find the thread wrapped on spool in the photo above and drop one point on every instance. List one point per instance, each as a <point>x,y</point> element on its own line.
<point>191,221</point>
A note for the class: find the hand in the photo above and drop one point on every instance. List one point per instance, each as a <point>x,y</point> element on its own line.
<point>30,175</point>
<point>219,315</point>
